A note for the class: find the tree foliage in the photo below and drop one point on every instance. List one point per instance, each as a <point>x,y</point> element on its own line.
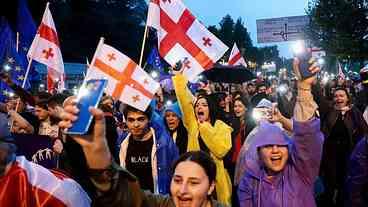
<point>81,23</point>
<point>230,32</point>
<point>338,26</point>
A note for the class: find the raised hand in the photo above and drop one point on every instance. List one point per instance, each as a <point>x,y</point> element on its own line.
<point>308,82</point>
<point>94,144</point>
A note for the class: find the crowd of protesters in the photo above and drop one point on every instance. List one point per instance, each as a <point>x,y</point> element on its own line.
<point>286,142</point>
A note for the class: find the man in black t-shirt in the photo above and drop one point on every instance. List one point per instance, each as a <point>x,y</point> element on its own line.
<point>148,151</point>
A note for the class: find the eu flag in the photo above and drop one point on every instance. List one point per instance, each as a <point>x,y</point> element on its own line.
<point>154,60</point>
<point>10,60</point>
<point>26,28</point>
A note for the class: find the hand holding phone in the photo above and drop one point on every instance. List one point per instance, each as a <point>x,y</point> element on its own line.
<point>305,63</point>
<point>305,58</point>
<point>89,95</point>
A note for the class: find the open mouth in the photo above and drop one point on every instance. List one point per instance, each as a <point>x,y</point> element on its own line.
<point>276,160</point>
<point>184,202</point>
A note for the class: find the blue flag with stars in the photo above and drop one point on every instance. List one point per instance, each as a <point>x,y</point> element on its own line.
<point>10,60</point>
<point>154,60</point>
<point>26,27</point>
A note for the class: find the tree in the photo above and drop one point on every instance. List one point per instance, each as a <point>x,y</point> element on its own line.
<point>338,26</point>
<point>213,29</point>
<point>80,24</point>
<point>241,35</point>
<point>226,30</point>
<point>230,32</point>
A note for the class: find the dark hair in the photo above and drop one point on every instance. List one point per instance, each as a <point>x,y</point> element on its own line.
<point>212,107</point>
<point>127,109</point>
<point>346,92</point>
<point>57,99</point>
<point>244,101</point>
<point>42,99</point>
<point>201,92</point>
<point>260,85</point>
<point>202,159</point>
<point>42,103</point>
<point>250,84</point>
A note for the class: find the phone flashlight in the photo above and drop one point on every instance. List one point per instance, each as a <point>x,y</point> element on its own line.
<point>282,89</point>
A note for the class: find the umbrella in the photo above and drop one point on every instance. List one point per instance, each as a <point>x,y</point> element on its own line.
<point>229,74</point>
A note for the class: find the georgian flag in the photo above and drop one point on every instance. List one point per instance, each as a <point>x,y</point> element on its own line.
<point>45,49</point>
<point>126,80</point>
<point>236,58</point>
<point>181,37</point>
<point>27,184</point>
<point>340,74</point>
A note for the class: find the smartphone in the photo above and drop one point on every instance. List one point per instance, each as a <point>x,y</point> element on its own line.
<point>89,95</point>
<point>305,63</point>
<point>261,113</point>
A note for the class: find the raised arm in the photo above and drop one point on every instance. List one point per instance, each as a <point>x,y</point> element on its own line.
<point>115,186</point>
<point>308,138</point>
<point>23,94</point>
<point>185,100</point>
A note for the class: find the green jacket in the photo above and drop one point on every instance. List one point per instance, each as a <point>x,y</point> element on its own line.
<point>124,191</point>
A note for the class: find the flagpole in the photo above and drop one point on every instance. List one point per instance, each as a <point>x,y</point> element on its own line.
<point>23,84</point>
<point>100,43</point>
<point>143,43</point>
<point>17,43</point>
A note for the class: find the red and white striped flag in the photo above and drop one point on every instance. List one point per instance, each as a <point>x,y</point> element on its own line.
<point>340,74</point>
<point>236,57</point>
<point>181,37</point>
<point>27,184</point>
<point>126,80</point>
<point>45,49</point>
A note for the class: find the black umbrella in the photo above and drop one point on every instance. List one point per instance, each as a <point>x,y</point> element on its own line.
<point>228,74</point>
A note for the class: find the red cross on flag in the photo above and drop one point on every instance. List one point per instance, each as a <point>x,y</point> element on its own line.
<point>236,58</point>
<point>126,80</point>
<point>182,37</point>
<point>45,49</point>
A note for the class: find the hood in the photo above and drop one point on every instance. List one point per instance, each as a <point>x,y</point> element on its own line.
<point>270,134</point>
<point>264,103</point>
<point>173,108</point>
<point>265,134</point>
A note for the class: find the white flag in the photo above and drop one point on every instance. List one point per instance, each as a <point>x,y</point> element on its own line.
<point>45,49</point>
<point>181,37</point>
<point>236,58</point>
<point>126,80</point>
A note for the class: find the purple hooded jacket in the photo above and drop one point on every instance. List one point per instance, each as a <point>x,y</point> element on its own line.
<point>357,182</point>
<point>293,186</point>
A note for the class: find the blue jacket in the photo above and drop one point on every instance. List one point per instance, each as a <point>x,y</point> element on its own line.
<point>166,154</point>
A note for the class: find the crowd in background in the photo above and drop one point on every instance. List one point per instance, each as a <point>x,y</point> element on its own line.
<point>224,121</point>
